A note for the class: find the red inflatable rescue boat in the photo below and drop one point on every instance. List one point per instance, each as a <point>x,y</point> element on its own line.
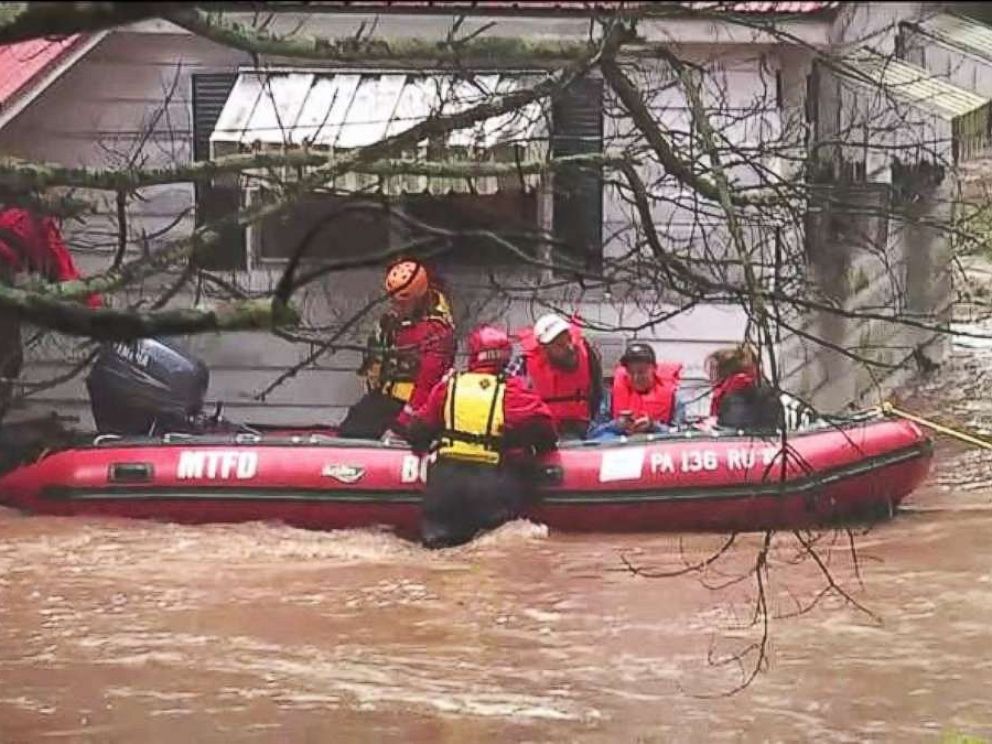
<point>858,469</point>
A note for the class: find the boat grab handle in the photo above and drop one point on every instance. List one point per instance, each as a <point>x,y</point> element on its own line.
<point>172,436</point>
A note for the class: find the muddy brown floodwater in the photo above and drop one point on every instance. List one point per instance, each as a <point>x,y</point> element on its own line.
<point>118,631</point>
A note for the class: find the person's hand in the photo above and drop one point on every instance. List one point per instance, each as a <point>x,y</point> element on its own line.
<point>625,421</point>
<point>389,321</point>
<point>641,425</point>
<point>391,437</point>
<point>707,424</point>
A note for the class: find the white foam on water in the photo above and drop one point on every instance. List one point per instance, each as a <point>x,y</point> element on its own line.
<point>304,677</point>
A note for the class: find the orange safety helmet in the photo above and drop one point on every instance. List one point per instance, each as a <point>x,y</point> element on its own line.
<point>406,281</point>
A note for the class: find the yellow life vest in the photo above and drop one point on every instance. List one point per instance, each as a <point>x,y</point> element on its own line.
<point>473,418</point>
<point>441,309</point>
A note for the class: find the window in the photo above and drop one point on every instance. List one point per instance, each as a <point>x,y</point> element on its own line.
<point>216,199</point>
<point>577,210</point>
<point>813,105</point>
<point>900,41</point>
<point>512,215</point>
<point>340,231</point>
<point>336,230</point>
<point>852,214</point>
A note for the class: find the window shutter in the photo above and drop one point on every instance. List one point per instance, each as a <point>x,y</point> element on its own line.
<point>215,200</point>
<point>210,93</point>
<point>577,117</point>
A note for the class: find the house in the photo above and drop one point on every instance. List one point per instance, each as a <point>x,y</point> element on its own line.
<point>154,94</point>
<point>879,254</point>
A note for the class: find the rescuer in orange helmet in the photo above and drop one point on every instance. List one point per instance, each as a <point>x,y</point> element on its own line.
<point>414,345</point>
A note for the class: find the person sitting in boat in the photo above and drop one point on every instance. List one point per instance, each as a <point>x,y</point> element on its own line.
<point>411,350</point>
<point>487,428</point>
<point>644,398</point>
<point>741,399</point>
<point>30,243</point>
<point>565,370</point>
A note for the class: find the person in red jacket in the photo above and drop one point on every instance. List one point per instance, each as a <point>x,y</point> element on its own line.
<point>487,428</point>
<point>741,399</point>
<point>29,243</point>
<point>413,347</point>
<point>644,392</point>
<point>565,370</point>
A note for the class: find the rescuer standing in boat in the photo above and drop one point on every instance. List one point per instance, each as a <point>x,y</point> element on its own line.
<point>566,372</point>
<point>487,427</point>
<point>411,350</point>
<point>31,243</point>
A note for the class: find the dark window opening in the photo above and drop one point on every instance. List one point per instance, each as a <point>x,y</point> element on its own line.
<point>339,232</point>
<point>576,219</point>
<point>510,215</point>
<point>333,231</point>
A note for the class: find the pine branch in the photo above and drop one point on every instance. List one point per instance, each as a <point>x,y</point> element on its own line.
<point>23,21</point>
<point>117,325</point>
<point>478,49</point>
<point>25,175</point>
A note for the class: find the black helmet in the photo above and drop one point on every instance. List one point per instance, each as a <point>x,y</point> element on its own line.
<point>638,352</point>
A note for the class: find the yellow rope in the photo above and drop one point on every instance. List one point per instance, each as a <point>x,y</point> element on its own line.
<point>888,408</point>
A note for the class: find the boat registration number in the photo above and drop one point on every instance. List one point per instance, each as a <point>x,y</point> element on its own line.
<point>696,461</point>
<point>628,463</point>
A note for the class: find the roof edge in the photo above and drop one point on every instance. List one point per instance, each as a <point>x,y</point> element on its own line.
<point>943,38</point>
<point>539,9</point>
<point>46,77</point>
<point>866,55</point>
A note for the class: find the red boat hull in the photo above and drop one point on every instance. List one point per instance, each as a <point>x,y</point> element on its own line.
<point>693,482</point>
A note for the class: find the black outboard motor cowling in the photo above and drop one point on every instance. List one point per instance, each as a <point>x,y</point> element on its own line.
<point>148,386</point>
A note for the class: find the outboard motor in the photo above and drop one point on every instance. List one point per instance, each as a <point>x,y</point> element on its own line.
<point>148,386</point>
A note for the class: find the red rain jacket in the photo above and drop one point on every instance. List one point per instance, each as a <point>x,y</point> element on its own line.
<point>37,247</point>
<point>523,410</point>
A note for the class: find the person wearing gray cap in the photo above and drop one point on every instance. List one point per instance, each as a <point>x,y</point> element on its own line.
<point>644,398</point>
<point>565,370</point>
